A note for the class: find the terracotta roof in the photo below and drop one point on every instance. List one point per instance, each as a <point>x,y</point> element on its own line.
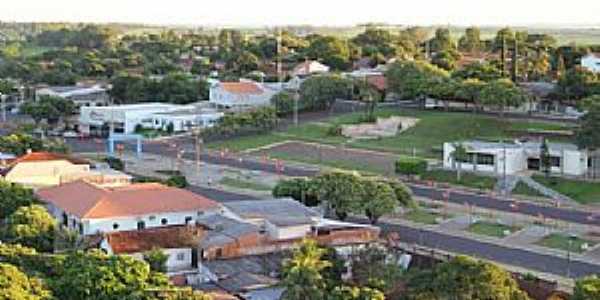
<point>43,156</point>
<point>305,68</point>
<point>88,201</point>
<point>127,242</point>
<point>242,88</point>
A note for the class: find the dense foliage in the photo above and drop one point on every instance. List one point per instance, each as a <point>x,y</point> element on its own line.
<point>411,166</point>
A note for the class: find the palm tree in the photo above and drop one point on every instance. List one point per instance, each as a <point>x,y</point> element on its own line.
<point>302,274</point>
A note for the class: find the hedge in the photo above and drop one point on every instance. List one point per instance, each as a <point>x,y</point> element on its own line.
<point>411,166</point>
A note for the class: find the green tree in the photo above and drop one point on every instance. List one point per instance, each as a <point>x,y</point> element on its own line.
<point>471,41</point>
<point>355,293</point>
<point>157,260</point>
<point>447,59</point>
<point>575,83</point>
<point>469,90</point>
<point>332,51</point>
<point>378,199</point>
<point>464,278</point>
<point>587,135</point>
<point>12,197</point>
<point>342,191</point>
<point>502,93</point>
<point>15,285</point>
<point>477,70</point>
<point>375,267</point>
<point>442,41</point>
<point>320,92</point>
<point>587,288</point>
<point>413,79</point>
<point>459,156</point>
<point>31,226</point>
<point>302,274</point>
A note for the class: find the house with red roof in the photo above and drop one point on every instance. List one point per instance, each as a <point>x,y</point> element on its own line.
<point>243,94</point>
<point>309,67</point>
<point>91,209</point>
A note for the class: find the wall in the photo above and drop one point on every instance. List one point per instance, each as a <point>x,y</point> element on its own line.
<point>287,232</point>
<point>224,98</point>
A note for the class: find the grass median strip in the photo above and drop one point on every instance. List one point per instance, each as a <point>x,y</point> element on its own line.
<point>492,229</point>
<point>566,243</point>
<point>423,216</point>
<point>244,184</point>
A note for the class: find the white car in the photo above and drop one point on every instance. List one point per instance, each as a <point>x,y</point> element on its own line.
<point>70,134</point>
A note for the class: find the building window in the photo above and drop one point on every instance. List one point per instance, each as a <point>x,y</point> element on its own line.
<point>164,221</point>
<point>80,228</point>
<point>115,226</point>
<point>152,218</point>
<point>555,161</point>
<point>180,256</point>
<point>65,220</point>
<point>141,225</point>
<point>219,253</point>
<point>485,159</point>
<point>188,220</point>
<point>200,213</point>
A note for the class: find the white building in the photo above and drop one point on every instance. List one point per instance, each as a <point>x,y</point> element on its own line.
<point>512,158</point>
<point>591,62</point>
<point>240,94</point>
<point>308,68</point>
<point>125,118</point>
<point>80,95</point>
<point>90,209</point>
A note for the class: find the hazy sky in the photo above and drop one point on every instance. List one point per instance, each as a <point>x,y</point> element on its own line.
<point>316,12</point>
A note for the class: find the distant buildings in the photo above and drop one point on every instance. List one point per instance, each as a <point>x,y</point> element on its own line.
<point>591,62</point>
<point>512,158</point>
<point>80,95</point>
<point>242,94</point>
<point>97,121</point>
<point>308,68</point>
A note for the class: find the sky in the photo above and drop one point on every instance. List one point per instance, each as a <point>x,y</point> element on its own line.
<point>303,12</point>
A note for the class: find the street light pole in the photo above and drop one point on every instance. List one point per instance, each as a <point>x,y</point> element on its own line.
<point>3,98</point>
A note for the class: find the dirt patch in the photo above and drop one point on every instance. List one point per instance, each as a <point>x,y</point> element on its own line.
<point>383,127</point>
<point>339,157</point>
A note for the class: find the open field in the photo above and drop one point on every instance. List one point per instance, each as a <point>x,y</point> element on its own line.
<point>580,191</point>
<point>561,242</point>
<point>425,139</point>
<point>491,229</point>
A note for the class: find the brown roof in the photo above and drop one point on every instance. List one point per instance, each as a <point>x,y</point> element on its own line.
<point>242,88</point>
<point>136,241</point>
<point>43,156</point>
<point>88,201</point>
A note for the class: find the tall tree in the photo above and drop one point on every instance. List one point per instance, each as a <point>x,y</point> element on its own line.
<point>502,93</point>
<point>31,226</point>
<point>12,197</point>
<point>545,158</point>
<point>587,288</point>
<point>413,79</point>
<point>587,136</point>
<point>459,156</point>
<point>16,285</point>
<point>378,199</point>
<point>342,191</point>
<point>302,274</point>
<point>471,41</point>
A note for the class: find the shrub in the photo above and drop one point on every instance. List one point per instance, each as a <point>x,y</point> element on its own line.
<point>411,166</point>
<point>334,130</point>
<point>178,181</point>
<point>115,163</point>
<point>300,189</point>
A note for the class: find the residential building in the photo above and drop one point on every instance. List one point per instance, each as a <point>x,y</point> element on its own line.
<point>43,169</point>
<point>97,121</point>
<point>91,209</point>
<point>244,94</point>
<point>512,158</point>
<point>82,96</point>
<point>310,67</point>
<point>591,62</point>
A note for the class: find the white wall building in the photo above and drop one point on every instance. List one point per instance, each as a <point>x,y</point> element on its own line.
<point>125,118</point>
<point>512,158</point>
<point>591,62</point>
<point>308,68</point>
<point>80,95</point>
<point>240,94</point>
<point>90,209</point>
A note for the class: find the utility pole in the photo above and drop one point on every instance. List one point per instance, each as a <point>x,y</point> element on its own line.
<point>3,98</point>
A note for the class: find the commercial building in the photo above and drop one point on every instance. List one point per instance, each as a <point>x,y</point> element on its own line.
<point>244,94</point>
<point>80,95</point>
<point>126,118</point>
<point>512,158</point>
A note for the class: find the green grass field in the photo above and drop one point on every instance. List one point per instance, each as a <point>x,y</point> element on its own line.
<point>467,179</point>
<point>422,216</point>
<point>244,184</point>
<point>425,139</point>
<point>580,191</point>
<point>491,229</point>
<point>524,190</point>
<point>561,242</point>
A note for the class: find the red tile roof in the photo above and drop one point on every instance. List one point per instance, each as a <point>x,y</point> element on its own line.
<point>88,201</point>
<point>171,237</point>
<point>242,88</point>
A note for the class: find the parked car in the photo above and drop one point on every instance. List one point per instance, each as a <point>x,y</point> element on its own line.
<point>70,134</point>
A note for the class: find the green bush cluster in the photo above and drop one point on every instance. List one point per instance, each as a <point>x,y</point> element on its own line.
<point>411,166</point>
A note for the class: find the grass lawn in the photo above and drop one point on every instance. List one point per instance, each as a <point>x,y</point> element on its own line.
<point>431,132</point>
<point>467,179</point>
<point>244,184</point>
<point>524,190</point>
<point>422,216</point>
<point>363,167</point>
<point>561,242</point>
<point>580,191</point>
<point>491,229</point>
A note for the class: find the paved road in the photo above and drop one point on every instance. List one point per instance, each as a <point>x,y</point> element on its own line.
<point>220,196</point>
<point>458,197</point>
<point>504,255</point>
